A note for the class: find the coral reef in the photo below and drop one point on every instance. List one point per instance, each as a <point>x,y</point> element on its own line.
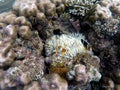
<point>33,86</point>
<point>56,27</point>
<point>39,9</point>
<point>79,71</point>
<point>48,82</point>
<point>7,36</point>
<point>101,13</point>
<point>85,70</point>
<point>23,47</point>
<point>92,10</point>
<point>106,28</point>
<point>81,7</point>
<point>7,17</point>
<point>113,5</point>
<point>31,68</point>
<point>57,44</point>
<point>107,84</point>
<point>53,82</point>
<point>20,51</point>
<point>60,44</point>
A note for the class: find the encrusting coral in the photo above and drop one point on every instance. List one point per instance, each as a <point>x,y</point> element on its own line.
<point>7,17</point>
<point>53,82</point>
<point>20,47</point>
<point>113,5</point>
<point>101,13</point>
<point>39,9</point>
<point>33,86</point>
<point>75,51</point>
<point>37,28</point>
<point>31,68</point>
<point>48,82</point>
<point>23,47</point>
<point>7,36</point>
<point>85,70</point>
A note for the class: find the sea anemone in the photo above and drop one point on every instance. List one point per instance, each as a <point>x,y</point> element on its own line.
<point>66,46</point>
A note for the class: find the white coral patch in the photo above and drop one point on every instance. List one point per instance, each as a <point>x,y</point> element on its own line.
<point>71,43</point>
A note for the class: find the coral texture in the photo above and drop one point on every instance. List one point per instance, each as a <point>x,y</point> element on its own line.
<point>31,68</point>
<point>53,82</point>
<point>33,86</point>
<point>81,7</point>
<point>7,36</point>
<point>38,8</point>
<point>85,70</point>
<point>108,27</point>
<point>44,45</point>
<point>57,44</point>
<point>113,5</point>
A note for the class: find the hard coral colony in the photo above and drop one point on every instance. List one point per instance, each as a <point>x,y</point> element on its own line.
<point>40,50</point>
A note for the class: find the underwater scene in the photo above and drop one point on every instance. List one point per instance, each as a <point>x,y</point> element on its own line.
<point>59,44</point>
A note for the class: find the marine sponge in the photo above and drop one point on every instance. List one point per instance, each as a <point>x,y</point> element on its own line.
<point>67,46</point>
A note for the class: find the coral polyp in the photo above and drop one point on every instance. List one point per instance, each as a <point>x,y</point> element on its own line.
<point>66,46</point>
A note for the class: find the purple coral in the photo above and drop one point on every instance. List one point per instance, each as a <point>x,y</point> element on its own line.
<point>29,69</point>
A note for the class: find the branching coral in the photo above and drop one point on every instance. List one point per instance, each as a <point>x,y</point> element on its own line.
<point>108,27</point>
<point>92,10</point>
<point>81,7</point>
